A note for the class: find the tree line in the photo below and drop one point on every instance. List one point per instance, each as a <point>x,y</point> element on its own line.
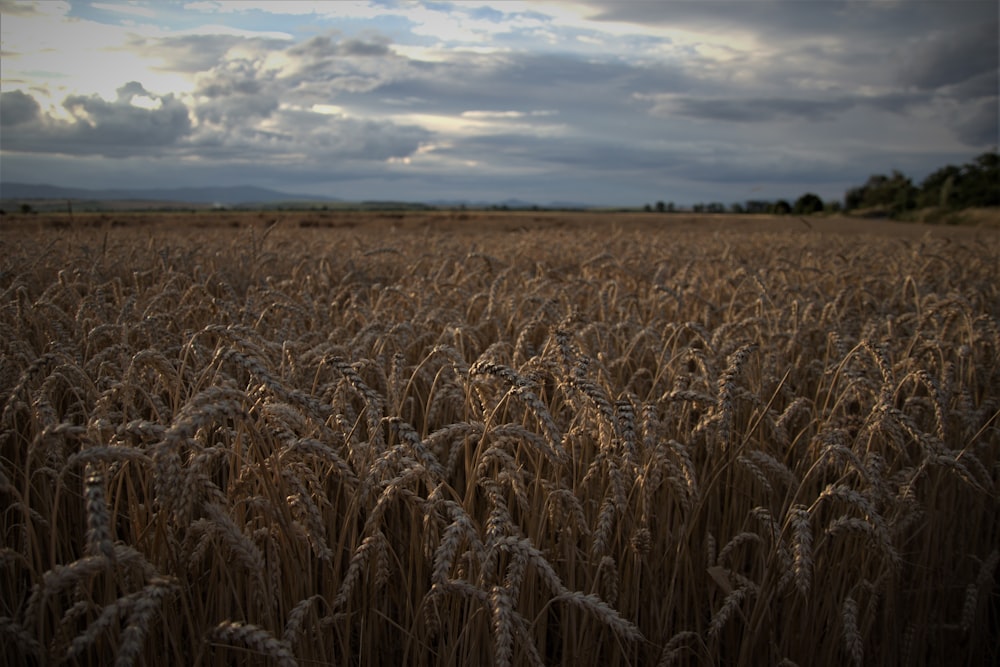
<point>950,188</point>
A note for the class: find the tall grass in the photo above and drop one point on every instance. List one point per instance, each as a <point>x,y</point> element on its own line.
<point>327,447</point>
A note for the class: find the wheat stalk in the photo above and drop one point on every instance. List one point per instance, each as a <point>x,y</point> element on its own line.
<point>253,638</point>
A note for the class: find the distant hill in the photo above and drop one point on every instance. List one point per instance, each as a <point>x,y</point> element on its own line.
<point>224,196</point>
<point>512,204</point>
<point>49,197</point>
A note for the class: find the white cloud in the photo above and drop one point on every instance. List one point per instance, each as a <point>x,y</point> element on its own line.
<point>146,102</point>
<point>501,115</point>
<point>131,8</point>
<point>341,8</point>
<point>229,31</point>
<point>327,109</point>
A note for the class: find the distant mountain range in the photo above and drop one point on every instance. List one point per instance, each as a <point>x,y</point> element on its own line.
<point>235,196</point>
<point>226,196</point>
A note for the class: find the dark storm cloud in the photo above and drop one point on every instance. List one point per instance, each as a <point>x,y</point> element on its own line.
<point>118,126</point>
<point>321,46</point>
<point>17,107</point>
<point>235,92</point>
<point>984,85</point>
<point>318,138</point>
<point>979,124</point>
<point>927,45</point>
<point>769,109</point>
<point>100,127</point>
<point>759,110</point>
<point>358,47</point>
<point>326,46</point>
<point>703,160</point>
<point>938,58</point>
<point>233,77</point>
<point>236,108</point>
<point>954,57</point>
<point>577,152</point>
<point>802,19</point>
<point>581,90</point>
<point>244,107</point>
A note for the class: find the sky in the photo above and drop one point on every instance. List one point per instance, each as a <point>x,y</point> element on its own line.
<point>600,102</point>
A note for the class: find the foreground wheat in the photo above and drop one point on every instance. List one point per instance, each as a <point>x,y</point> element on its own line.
<point>308,448</point>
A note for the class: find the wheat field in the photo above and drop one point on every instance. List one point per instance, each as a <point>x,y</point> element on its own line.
<point>520,441</point>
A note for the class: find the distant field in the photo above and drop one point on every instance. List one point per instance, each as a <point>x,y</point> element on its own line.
<point>980,220</point>
<point>460,438</point>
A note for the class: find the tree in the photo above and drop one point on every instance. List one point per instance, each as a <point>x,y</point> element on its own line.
<point>736,207</point>
<point>980,181</point>
<point>854,198</point>
<point>660,207</point>
<point>939,189</point>
<point>976,184</point>
<point>894,194</point>
<point>781,207</point>
<point>808,204</point>
<point>972,185</point>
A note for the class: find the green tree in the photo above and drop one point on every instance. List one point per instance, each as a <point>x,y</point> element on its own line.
<point>894,194</point>
<point>980,182</point>
<point>854,198</point>
<point>939,189</point>
<point>808,204</point>
<point>781,207</point>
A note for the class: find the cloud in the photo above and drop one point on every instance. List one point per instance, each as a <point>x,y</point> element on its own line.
<point>132,10</point>
<point>17,107</point>
<point>979,124</point>
<point>251,99</point>
<point>833,43</point>
<point>797,20</point>
<point>593,97</point>
<point>309,138</point>
<point>750,110</point>
<point>99,127</point>
<point>13,8</point>
<point>235,92</point>
<point>194,53</point>
<point>770,109</point>
<point>953,57</point>
<point>324,66</point>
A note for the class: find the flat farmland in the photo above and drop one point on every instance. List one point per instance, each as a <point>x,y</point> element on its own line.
<point>498,438</point>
